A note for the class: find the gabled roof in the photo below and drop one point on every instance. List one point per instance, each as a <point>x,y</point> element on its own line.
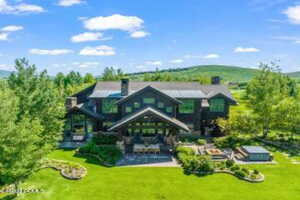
<point>216,94</point>
<point>151,89</point>
<point>179,90</point>
<point>82,108</point>
<point>149,110</point>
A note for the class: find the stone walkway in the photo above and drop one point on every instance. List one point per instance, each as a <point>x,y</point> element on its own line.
<point>148,160</point>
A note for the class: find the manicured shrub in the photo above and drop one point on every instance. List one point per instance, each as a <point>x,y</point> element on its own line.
<point>220,165</point>
<point>235,168</point>
<point>201,141</point>
<point>255,172</point>
<point>246,171</point>
<point>188,138</point>
<point>185,150</point>
<point>195,163</point>
<point>101,139</point>
<point>240,173</point>
<point>205,165</point>
<point>106,154</point>
<point>253,176</point>
<point>232,141</point>
<point>229,163</point>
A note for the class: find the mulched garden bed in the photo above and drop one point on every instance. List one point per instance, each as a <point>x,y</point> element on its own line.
<point>68,170</point>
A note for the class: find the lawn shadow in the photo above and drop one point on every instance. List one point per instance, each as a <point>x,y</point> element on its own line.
<point>92,160</point>
<point>9,197</point>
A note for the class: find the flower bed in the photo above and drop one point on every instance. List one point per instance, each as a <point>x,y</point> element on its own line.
<point>202,165</point>
<point>230,167</point>
<point>72,171</point>
<point>257,179</point>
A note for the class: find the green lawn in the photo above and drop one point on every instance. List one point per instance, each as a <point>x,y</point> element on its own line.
<point>282,182</point>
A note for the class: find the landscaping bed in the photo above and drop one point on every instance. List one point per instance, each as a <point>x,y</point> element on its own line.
<point>69,170</point>
<point>203,165</point>
<point>106,155</point>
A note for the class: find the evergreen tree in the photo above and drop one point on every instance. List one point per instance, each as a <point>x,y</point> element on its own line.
<point>19,152</point>
<point>39,99</point>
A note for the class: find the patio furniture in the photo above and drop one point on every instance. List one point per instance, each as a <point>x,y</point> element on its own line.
<point>141,148</point>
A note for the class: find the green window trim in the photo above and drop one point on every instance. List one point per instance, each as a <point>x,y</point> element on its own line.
<point>217,105</point>
<point>148,100</point>
<point>187,106</point>
<point>109,106</point>
<point>128,109</point>
<point>169,109</point>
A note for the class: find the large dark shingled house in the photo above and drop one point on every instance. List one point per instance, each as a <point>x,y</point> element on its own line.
<point>147,109</point>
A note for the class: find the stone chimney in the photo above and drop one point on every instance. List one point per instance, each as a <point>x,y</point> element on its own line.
<point>215,80</point>
<point>71,102</point>
<point>124,86</point>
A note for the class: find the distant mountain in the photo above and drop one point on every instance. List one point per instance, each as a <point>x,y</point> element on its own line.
<point>4,73</point>
<point>294,74</point>
<point>227,73</point>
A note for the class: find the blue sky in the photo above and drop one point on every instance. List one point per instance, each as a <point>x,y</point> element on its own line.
<point>140,35</point>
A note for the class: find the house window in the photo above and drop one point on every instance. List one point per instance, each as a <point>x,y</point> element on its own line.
<point>187,107</point>
<point>217,105</point>
<point>107,124</point>
<point>90,125</point>
<point>136,105</point>
<point>160,131</point>
<point>128,109</point>
<point>109,106</point>
<point>169,109</point>
<point>149,100</point>
<point>160,105</point>
<point>148,131</point>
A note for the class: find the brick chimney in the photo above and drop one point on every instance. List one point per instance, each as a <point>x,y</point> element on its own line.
<point>71,102</point>
<point>215,80</point>
<point>124,86</point>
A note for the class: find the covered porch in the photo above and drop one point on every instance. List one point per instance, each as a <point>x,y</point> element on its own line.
<point>148,131</point>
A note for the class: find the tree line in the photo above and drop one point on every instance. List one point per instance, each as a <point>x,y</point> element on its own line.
<point>272,103</point>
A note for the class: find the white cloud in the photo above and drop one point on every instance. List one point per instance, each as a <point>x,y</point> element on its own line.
<point>20,8</point>
<point>176,61</point>
<point>12,28</point>
<point>67,3</point>
<point>211,56</point>
<point>52,52</point>
<point>114,22</point>
<point>189,56</point>
<point>3,36</point>
<point>88,36</point>
<point>86,64</point>
<point>293,13</point>
<point>102,50</point>
<point>6,67</point>
<point>139,34</point>
<point>155,63</point>
<point>288,38</point>
<point>246,50</point>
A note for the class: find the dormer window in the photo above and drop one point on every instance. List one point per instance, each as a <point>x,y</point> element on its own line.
<point>149,100</point>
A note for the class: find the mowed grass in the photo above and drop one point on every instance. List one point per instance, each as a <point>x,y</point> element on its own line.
<point>282,182</point>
